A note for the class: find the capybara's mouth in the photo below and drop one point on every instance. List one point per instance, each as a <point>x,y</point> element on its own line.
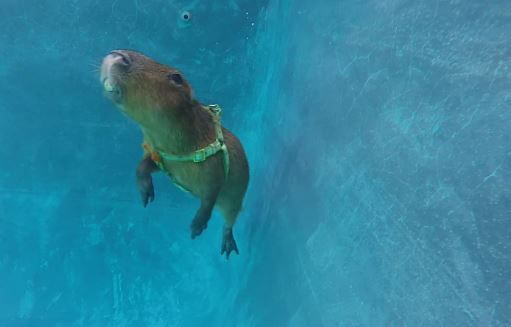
<point>112,90</point>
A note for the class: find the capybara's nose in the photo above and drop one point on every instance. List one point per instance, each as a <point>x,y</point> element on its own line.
<point>120,57</point>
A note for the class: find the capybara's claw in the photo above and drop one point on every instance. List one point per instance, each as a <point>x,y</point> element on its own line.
<point>147,198</point>
<point>228,243</point>
<point>145,186</point>
<point>198,225</point>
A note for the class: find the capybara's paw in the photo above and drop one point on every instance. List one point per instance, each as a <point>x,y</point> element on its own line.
<point>228,243</point>
<point>198,225</point>
<point>146,189</point>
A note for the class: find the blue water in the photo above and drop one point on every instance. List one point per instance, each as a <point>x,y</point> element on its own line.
<point>378,134</point>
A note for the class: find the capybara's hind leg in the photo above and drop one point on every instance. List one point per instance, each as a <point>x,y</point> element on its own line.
<point>228,241</point>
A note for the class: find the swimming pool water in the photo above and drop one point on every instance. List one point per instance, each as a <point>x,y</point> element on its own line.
<point>378,135</point>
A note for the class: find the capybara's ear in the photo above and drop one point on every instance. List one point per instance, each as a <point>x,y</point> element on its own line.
<point>176,79</point>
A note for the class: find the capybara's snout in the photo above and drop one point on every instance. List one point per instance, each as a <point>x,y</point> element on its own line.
<point>119,57</point>
<point>114,65</point>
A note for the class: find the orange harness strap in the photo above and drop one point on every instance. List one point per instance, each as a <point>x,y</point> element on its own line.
<point>155,156</point>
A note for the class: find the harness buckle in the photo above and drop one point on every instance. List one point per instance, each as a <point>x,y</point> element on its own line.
<point>199,155</point>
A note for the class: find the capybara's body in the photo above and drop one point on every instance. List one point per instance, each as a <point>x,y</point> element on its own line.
<point>159,99</point>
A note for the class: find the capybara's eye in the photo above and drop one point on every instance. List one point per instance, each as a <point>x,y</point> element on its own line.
<point>176,78</point>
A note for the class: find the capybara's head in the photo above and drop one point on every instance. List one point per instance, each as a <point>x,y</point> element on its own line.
<point>142,88</point>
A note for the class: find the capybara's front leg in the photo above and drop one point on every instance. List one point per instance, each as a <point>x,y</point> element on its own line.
<point>144,180</point>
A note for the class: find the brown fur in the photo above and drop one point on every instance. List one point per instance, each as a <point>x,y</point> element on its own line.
<point>174,122</point>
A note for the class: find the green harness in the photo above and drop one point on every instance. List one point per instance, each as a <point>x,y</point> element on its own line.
<point>198,155</point>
